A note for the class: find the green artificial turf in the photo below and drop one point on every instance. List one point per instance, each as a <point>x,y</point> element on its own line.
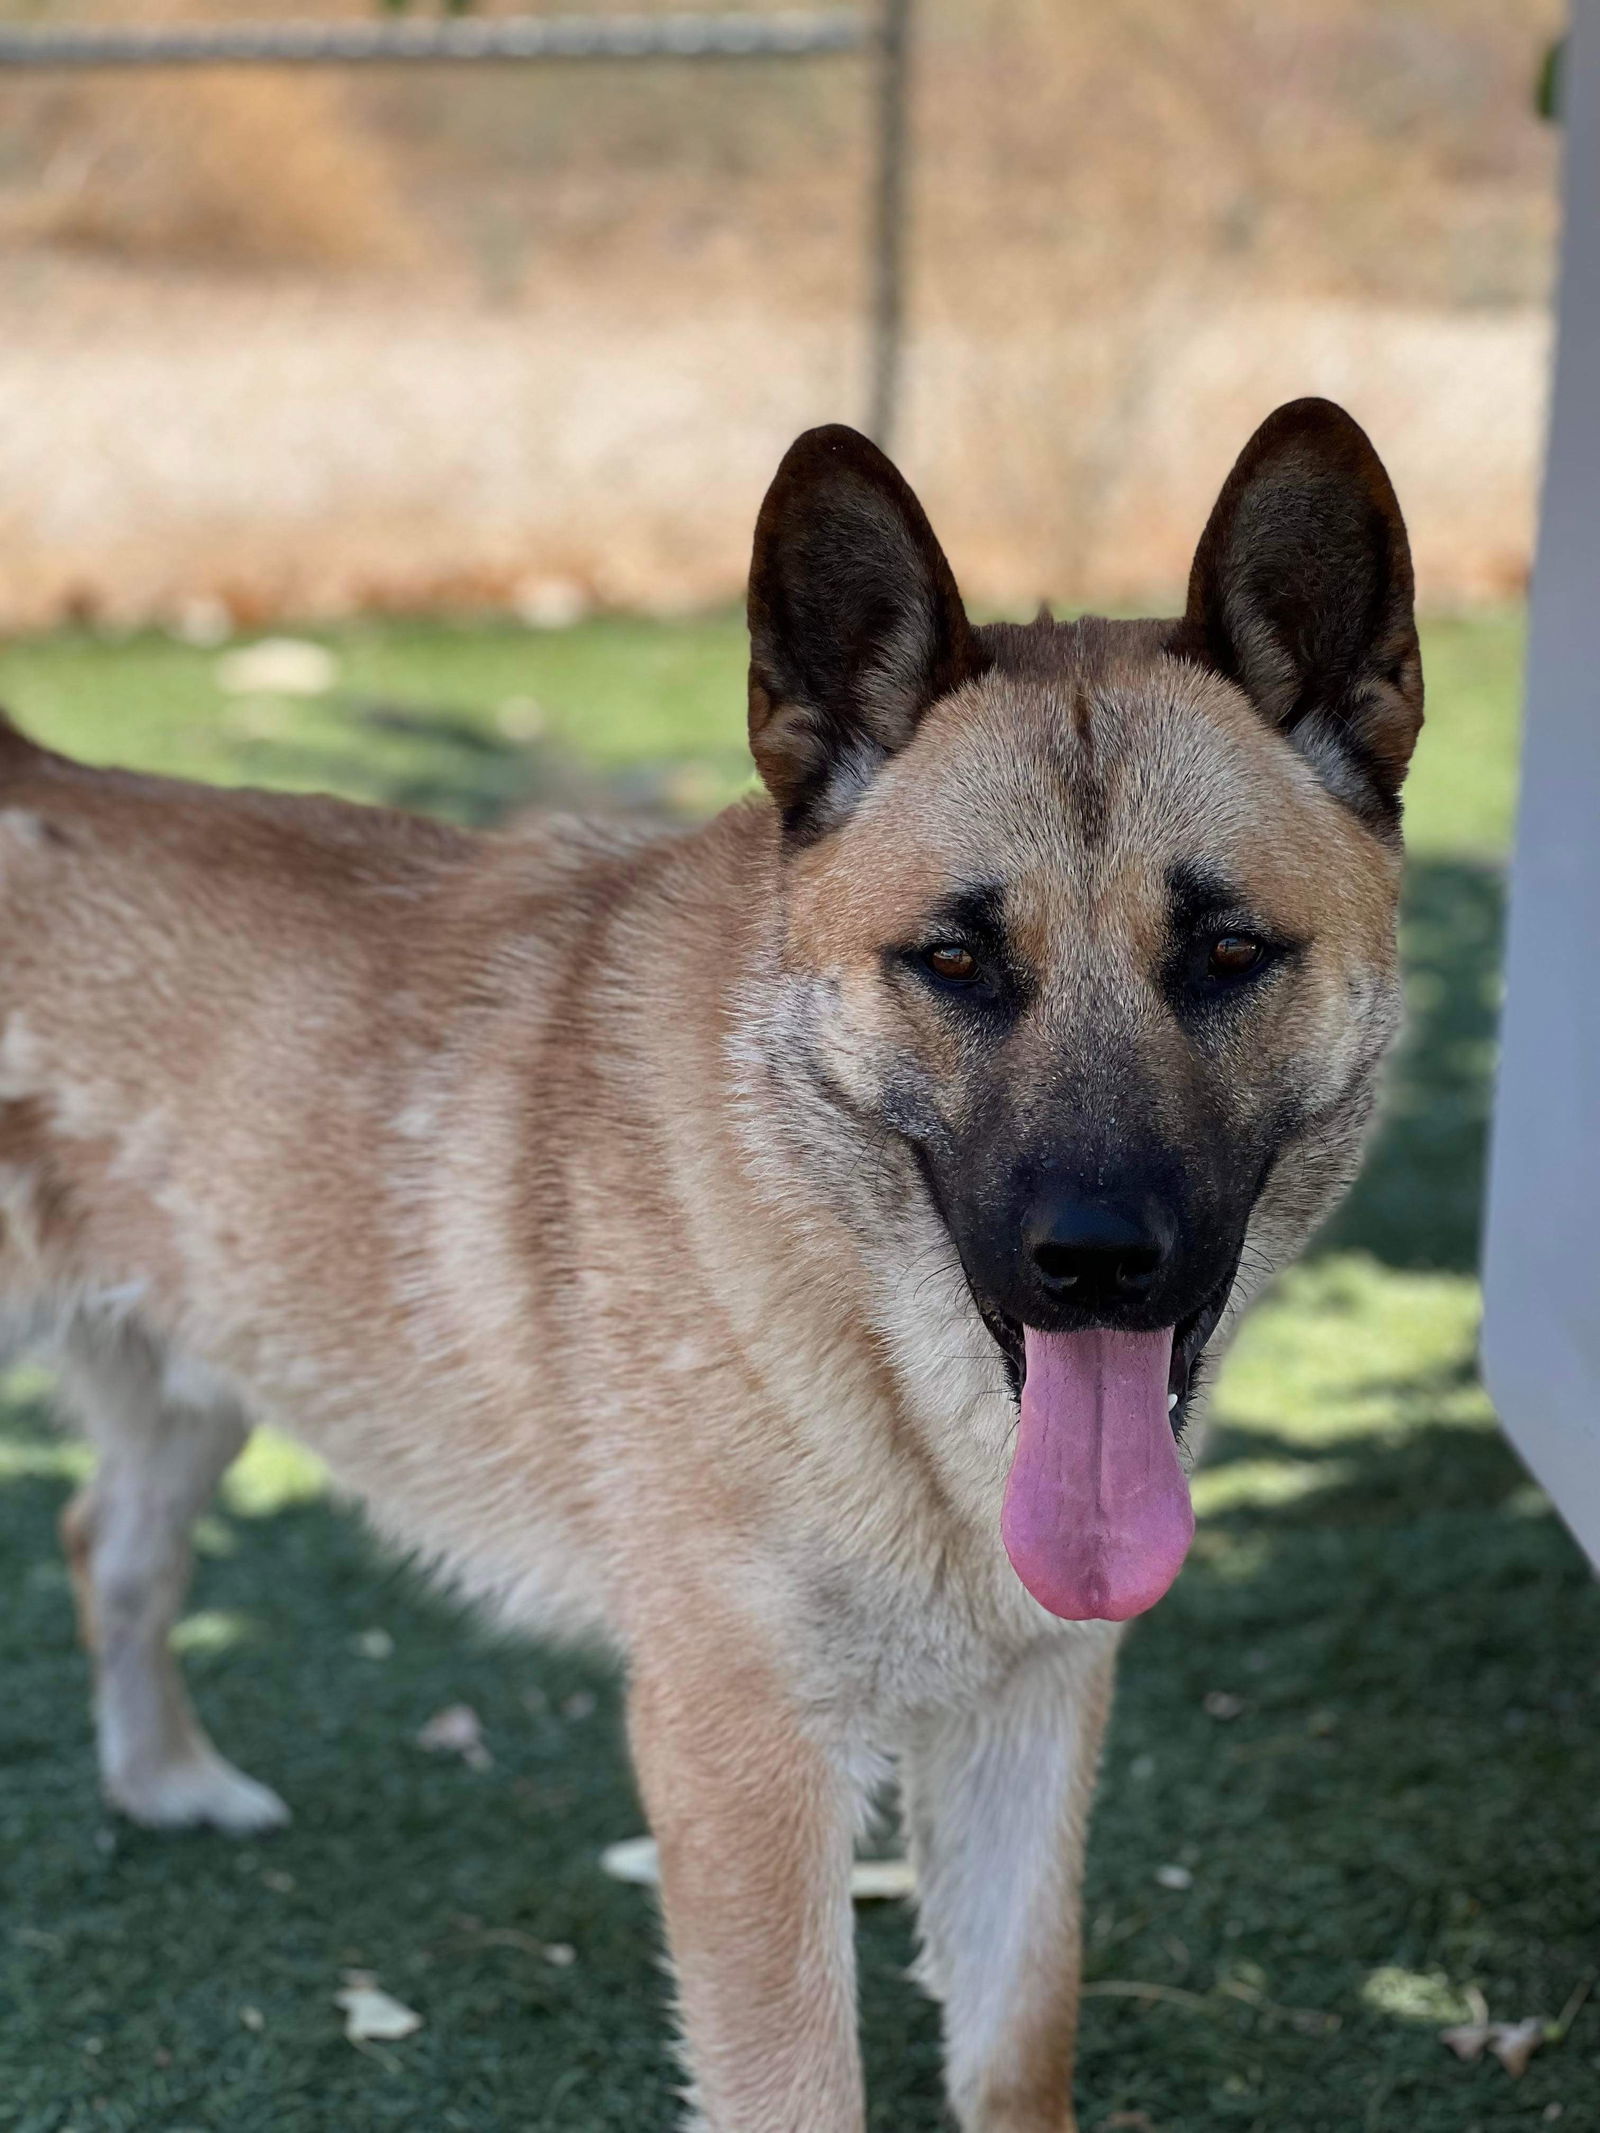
<point>1364,1725</point>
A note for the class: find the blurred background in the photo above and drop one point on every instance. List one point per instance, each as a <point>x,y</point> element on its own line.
<point>518,336</point>
<point>400,433</point>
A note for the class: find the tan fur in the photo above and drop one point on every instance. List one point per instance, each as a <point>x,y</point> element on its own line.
<point>516,1174</point>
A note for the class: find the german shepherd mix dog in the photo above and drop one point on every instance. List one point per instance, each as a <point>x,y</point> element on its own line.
<point>788,1248</point>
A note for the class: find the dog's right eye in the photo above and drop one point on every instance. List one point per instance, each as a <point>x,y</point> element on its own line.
<point>952,963</point>
<point>1235,955</point>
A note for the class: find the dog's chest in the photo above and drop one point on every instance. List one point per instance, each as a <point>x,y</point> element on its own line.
<point>883,1640</point>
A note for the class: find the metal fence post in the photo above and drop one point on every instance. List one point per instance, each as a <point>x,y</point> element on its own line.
<point>889,220</point>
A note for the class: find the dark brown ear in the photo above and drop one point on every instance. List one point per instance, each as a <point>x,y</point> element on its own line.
<point>856,626</point>
<point>1302,594</point>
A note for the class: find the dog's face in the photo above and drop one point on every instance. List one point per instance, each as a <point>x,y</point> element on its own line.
<point>1096,921</point>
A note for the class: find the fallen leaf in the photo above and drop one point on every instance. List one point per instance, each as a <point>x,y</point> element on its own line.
<point>559,1954</point>
<point>871,1880</point>
<point>371,2015</point>
<point>1514,2043</point>
<point>1466,2040</point>
<point>1174,1877</point>
<point>634,1859</point>
<point>456,1730</point>
<point>253,2019</point>
<point>881,1880</point>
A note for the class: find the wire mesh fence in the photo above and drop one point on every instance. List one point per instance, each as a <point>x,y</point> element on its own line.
<point>525,39</point>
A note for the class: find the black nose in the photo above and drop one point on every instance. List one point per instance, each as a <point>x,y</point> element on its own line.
<point>1090,1253</point>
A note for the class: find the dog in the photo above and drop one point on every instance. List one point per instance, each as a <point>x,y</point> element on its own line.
<point>789,1249</point>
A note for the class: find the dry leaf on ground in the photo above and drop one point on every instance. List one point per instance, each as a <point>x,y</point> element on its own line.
<point>871,1880</point>
<point>456,1730</point>
<point>1512,2043</point>
<point>1466,2039</point>
<point>371,2015</point>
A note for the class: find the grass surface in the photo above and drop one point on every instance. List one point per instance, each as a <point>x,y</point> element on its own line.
<point>1364,1724</point>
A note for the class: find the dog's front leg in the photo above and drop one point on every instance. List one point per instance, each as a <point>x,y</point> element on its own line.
<point>753,1815</point>
<point>997,1803</point>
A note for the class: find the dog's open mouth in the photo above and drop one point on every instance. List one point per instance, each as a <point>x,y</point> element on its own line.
<point>1097,1518</point>
<point>1189,1338</point>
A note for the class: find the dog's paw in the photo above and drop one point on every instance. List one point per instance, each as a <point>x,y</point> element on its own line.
<point>202,1791</point>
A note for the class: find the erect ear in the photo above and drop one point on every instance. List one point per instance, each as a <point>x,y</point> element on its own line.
<point>856,626</point>
<point>1302,594</point>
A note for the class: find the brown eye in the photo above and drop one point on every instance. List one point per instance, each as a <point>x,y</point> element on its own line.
<point>1233,955</point>
<point>949,960</point>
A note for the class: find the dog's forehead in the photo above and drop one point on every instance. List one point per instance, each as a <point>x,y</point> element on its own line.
<point>1084,776</point>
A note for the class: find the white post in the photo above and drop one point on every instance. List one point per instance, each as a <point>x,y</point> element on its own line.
<point>1541,1341</point>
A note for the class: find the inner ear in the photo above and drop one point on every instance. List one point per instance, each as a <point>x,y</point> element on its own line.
<point>1302,593</point>
<point>856,626</point>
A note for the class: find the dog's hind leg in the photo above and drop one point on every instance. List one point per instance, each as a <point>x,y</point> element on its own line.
<point>997,1802</point>
<point>126,1535</point>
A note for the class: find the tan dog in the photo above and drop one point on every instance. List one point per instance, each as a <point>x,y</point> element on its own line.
<point>658,1230</point>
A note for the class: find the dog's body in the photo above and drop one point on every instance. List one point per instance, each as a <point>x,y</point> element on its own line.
<point>613,1212</point>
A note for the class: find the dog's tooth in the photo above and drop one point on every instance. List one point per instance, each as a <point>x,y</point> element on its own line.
<point>1172,1401</point>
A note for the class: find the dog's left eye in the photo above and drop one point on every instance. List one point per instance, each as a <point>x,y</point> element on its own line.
<point>1234,955</point>
<point>950,961</point>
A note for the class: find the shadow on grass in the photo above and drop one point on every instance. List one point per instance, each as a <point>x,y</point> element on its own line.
<point>452,762</point>
<point>1405,1800</point>
<point>429,758</point>
<point>1415,1474</point>
<point>1417,1201</point>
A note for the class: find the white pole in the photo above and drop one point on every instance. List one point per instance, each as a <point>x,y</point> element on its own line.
<point>1541,1343</point>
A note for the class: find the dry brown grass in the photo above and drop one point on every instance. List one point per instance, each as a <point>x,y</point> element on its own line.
<point>443,330</point>
<point>240,170</point>
<point>234,168</point>
<point>1068,154</point>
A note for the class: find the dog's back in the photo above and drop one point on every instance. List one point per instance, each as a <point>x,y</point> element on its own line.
<point>367,1126</point>
<point>189,987</point>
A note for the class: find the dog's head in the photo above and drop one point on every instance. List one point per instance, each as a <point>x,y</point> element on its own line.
<point>1095,921</point>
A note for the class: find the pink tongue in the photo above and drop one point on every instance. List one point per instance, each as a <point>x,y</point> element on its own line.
<point>1097,1519</point>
